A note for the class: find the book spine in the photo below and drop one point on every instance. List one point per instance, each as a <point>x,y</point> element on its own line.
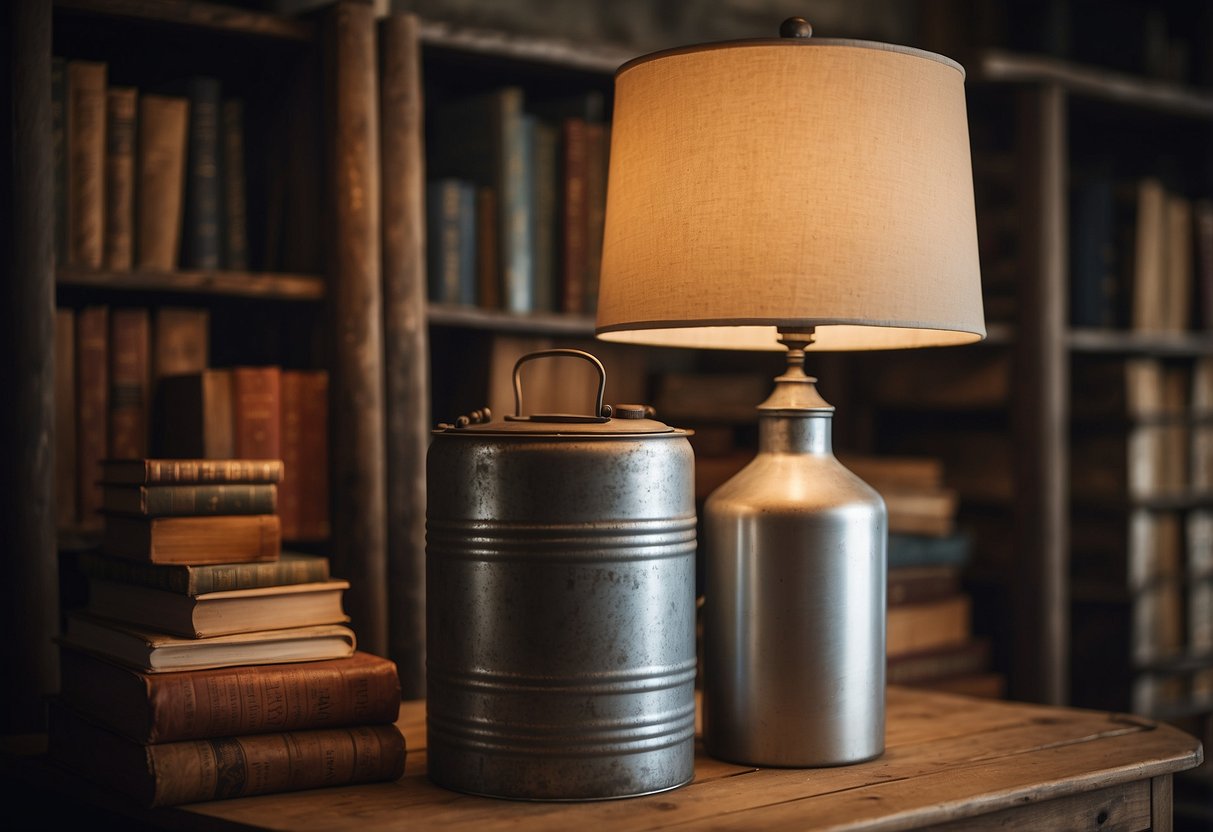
<point>597,150</point>
<point>161,159</point>
<point>212,470</point>
<point>235,217</point>
<point>196,500</point>
<point>1203,212</point>
<point>181,341</point>
<point>65,418</point>
<point>200,242</point>
<point>256,412</point>
<point>86,81</point>
<point>92,394</point>
<point>199,580</point>
<point>293,459</point>
<point>573,217</point>
<point>514,205</point>
<point>446,225</point>
<point>314,473</point>
<point>59,151</point>
<point>129,382</point>
<point>146,540</point>
<point>544,184</point>
<point>488,277</point>
<point>120,178</point>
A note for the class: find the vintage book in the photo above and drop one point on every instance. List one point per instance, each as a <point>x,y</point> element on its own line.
<point>488,270</point>
<point>304,492</point>
<point>120,178</point>
<point>190,500</point>
<point>154,652</point>
<point>92,409</point>
<point>290,568</point>
<point>1093,272</point>
<point>968,380</point>
<point>1178,278</point>
<point>200,242</point>
<point>1158,621</point>
<point>1199,542</point>
<point>85,112</point>
<point>1149,257</point>
<point>257,412</point>
<point>913,628</point>
<point>930,513</point>
<point>138,471</point>
<point>451,241</point>
<point>920,550</point>
<point>130,383</point>
<point>235,200</point>
<point>194,540</point>
<point>1200,616</point>
<point>545,186</point>
<point>1140,462</point>
<point>65,418</point>
<point>972,656</point>
<point>482,137</point>
<point>196,416</point>
<point>1202,211</point>
<point>154,708</point>
<point>218,768</point>
<point>59,154</point>
<point>219,613</point>
<point>1126,389</point>
<point>921,473</point>
<point>573,216</point>
<point>1127,550</point>
<point>919,584</point>
<point>180,340</point>
<point>597,148</point>
<point>160,180</point>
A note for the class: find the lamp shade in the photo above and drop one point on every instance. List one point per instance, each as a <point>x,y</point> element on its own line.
<point>792,183</point>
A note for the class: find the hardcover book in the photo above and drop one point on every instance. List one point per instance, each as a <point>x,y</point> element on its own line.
<point>130,382</point>
<point>219,613</point>
<point>255,699</point>
<point>86,105</point>
<point>190,500</point>
<point>290,568</point>
<point>217,768</point>
<point>201,235</point>
<point>92,409</point>
<point>196,540</point>
<point>160,180</point>
<point>181,341</point>
<point>138,471</point>
<point>154,652</point>
<point>196,416</point>
<point>120,178</point>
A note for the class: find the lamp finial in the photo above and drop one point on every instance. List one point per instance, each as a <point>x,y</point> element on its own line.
<point>796,27</point>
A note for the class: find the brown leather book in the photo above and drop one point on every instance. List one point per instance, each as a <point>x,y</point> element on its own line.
<point>65,418</point>
<point>304,494</point>
<point>198,540</point>
<point>180,340</point>
<point>195,416</point>
<point>130,382</point>
<point>120,178</point>
<point>92,410</point>
<point>86,106</point>
<point>161,180</point>
<point>927,626</point>
<point>140,471</point>
<point>256,412</point>
<point>573,217</point>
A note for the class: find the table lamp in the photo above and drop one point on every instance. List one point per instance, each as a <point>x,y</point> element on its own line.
<point>807,194</point>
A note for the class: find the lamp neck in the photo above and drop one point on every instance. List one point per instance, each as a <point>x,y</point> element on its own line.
<point>795,418</point>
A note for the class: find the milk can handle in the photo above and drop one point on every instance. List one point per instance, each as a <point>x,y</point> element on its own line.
<point>552,353</point>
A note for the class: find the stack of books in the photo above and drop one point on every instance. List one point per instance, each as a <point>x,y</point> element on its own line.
<point>208,663</point>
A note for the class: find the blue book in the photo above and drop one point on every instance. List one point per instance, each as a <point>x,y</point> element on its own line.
<point>451,241</point>
<point>923,550</point>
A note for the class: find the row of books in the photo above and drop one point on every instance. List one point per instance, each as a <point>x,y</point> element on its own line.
<point>1141,256</point>
<point>207,663</point>
<point>516,201</point>
<point>134,381</point>
<point>146,180</point>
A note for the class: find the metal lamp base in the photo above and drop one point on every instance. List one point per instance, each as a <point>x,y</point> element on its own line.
<point>794,609</point>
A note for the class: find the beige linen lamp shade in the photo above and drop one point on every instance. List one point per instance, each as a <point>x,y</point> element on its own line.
<point>790,183</point>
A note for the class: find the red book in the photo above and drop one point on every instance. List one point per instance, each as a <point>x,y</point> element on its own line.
<point>92,402</point>
<point>130,382</point>
<point>257,412</point>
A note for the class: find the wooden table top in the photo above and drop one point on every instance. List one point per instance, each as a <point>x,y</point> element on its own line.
<point>948,758</point>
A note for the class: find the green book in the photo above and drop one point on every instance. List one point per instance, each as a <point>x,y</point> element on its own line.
<point>189,500</point>
<point>290,568</point>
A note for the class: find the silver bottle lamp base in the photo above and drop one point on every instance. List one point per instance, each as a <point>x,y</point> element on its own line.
<point>794,594</point>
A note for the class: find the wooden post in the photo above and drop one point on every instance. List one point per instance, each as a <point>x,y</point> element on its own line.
<point>1042,600</point>
<point>30,600</point>
<point>358,482</point>
<point>406,344</point>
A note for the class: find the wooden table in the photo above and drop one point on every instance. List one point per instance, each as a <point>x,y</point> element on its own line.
<point>952,762</point>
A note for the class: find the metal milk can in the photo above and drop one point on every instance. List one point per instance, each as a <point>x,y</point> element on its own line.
<point>560,603</point>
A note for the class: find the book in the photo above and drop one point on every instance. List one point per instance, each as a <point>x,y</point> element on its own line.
<point>920,550</point>
<point>186,579</point>
<point>1202,211</point>
<point>160,180</point>
<point>92,410</point>
<point>130,382</point>
<point>200,244</point>
<point>235,211</point>
<point>217,768</point>
<point>189,500</point>
<point>65,418</point>
<point>919,584</point>
<point>930,513</point>
<point>597,150</point>
<point>1093,272</point>
<point>119,246</point>
<point>196,540</point>
<point>972,656</point>
<point>85,114</point>
<point>156,708</point>
<point>1178,277</point>
<point>573,212</point>
<point>304,492</point>
<point>451,241</point>
<point>219,613</point>
<point>482,137</point>
<point>59,155</point>
<point>1149,257</point>
<point>256,412</point>
<point>180,340</point>
<point>545,185</point>
<point>155,652</point>
<point>488,271</point>
<point>196,416</point>
<point>138,471</point>
<point>916,627</point>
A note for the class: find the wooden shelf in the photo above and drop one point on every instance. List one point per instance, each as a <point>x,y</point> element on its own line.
<point>199,16</point>
<point>536,323</point>
<point>1125,342</point>
<point>261,285</point>
<point>1096,83</point>
<point>566,55</point>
